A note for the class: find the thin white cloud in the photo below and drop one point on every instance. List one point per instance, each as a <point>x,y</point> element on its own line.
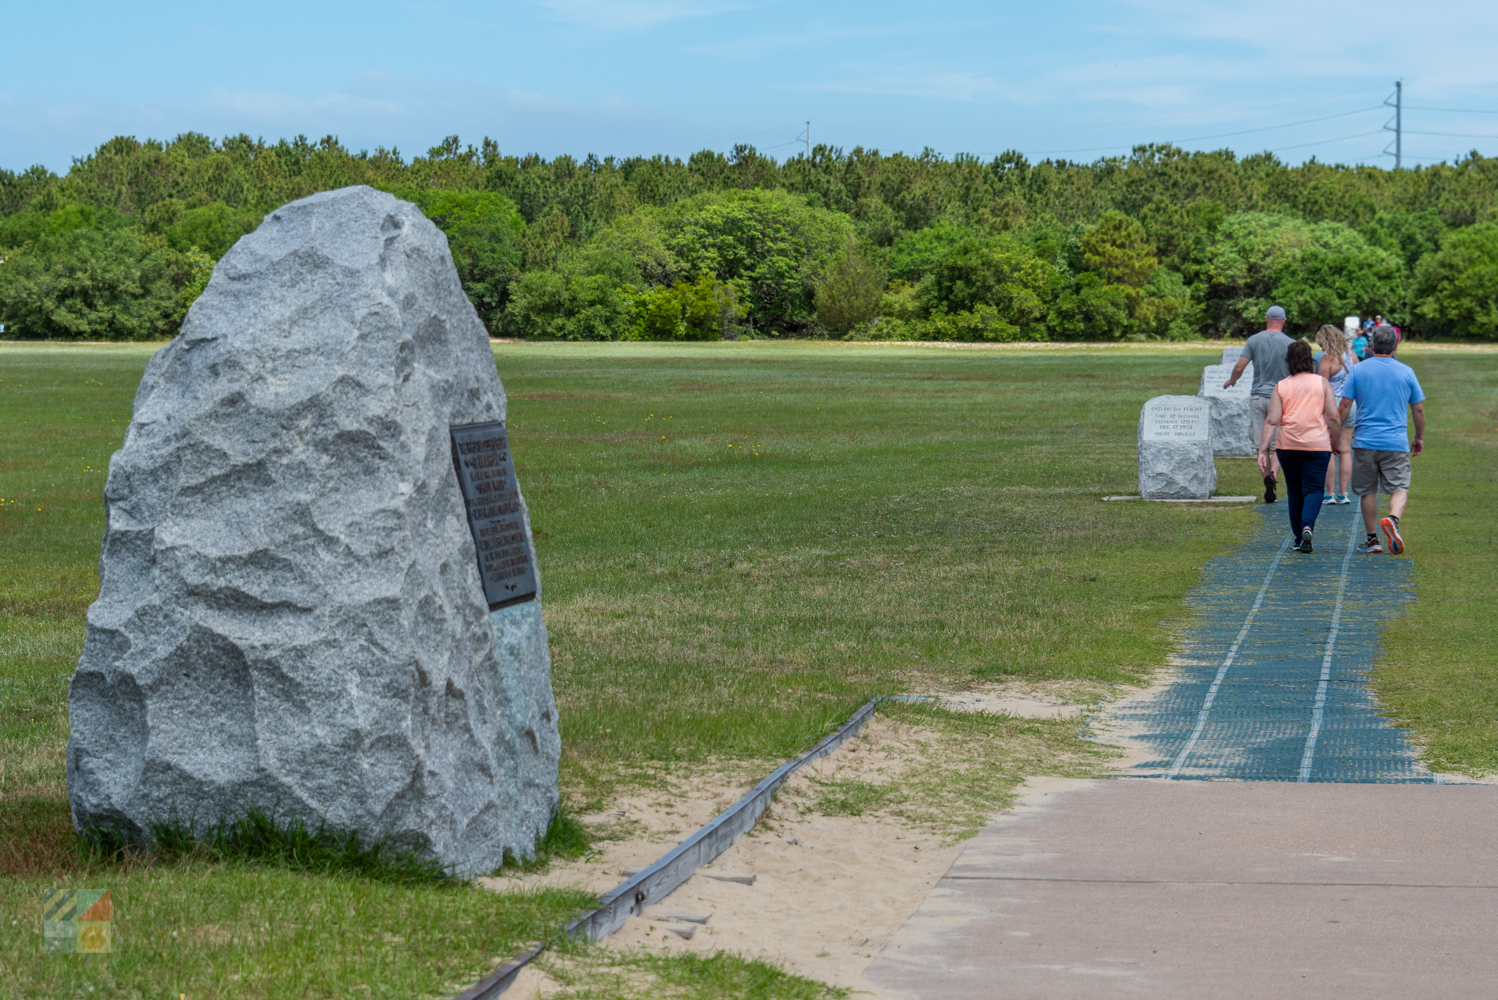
<point>943,85</point>
<point>755,46</point>
<point>630,15</point>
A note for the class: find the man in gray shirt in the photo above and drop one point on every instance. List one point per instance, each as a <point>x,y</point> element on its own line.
<point>1266,349</point>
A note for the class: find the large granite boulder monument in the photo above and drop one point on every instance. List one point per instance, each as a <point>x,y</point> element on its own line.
<point>1175,449</point>
<point>1232,423</point>
<point>292,616</point>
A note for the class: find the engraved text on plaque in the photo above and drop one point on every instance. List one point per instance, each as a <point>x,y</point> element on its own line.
<point>507,560</point>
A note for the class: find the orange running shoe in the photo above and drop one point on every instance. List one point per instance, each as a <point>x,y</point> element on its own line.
<point>1391,532</point>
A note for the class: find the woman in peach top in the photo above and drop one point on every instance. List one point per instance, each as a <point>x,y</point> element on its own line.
<point>1305,414</point>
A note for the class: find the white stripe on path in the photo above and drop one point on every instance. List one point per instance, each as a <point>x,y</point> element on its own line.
<point>1326,660</point>
<point>1201,718</point>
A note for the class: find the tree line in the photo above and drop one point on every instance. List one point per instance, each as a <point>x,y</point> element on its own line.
<point>1161,243</point>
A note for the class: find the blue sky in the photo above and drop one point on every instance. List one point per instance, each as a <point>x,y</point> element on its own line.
<point>1069,79</point>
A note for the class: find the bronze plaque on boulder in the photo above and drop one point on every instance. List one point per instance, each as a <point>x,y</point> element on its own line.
<point>507,559</point>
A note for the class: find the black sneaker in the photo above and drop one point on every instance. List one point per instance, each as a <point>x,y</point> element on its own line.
<point>1269,487</point>
<point>1305,540</point>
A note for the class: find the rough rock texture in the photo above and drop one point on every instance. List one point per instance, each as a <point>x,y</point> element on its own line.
<point>1232,425</point>
<point>1230,355</point>
<point>1175,449</point>
<point>290,615</point>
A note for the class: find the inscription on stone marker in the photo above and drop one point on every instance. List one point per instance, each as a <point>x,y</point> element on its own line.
<point>507,560</point>
<point>1171,421</point>
<point>1214,375</point>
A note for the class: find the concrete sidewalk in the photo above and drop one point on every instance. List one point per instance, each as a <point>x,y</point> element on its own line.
<point>1156,888</point>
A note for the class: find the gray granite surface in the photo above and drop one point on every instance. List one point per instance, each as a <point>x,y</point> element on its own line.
<point>1175,449</point>
<point>1232,424</point>
<point>290,616</point>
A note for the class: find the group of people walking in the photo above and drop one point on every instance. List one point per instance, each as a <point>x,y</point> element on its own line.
<point>1306,411</point>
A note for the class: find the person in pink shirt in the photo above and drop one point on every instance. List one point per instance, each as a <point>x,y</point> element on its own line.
<point>1304,413</point>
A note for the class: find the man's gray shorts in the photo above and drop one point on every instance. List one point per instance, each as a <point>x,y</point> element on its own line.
<point>1389,471</point>
<point>1258,412</point>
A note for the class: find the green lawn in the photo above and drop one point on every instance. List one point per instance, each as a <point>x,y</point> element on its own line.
<point>739,544</point>
<point>1439,671</point>
<point>742,542</point>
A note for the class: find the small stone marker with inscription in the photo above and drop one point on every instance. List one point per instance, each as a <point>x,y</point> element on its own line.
<point>1232,426</point>
<point>318,590</point>
<point>1175,449</point>
<point>1230,355</point>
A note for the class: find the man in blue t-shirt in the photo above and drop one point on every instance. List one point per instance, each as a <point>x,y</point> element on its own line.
<point>1384,390</point>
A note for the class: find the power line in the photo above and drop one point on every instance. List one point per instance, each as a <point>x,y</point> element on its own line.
<point>1458,111</point>
<point>1457,135</point>
<point>1323,142</point>
<point>1319,142</point>
<point>1271,128</point>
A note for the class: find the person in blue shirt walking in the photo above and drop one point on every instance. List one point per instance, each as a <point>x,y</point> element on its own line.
<point>1384,391</point>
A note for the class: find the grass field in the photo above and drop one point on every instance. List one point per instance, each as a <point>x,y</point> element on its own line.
<point>739,544</point>
<point>1439,671</point>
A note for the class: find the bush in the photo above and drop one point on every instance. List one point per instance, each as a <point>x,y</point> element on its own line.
<point>485,234</point>
<point>1456,288</point>
<point>563,305</point>
<point>31,226</point>
<point>915,254</point>
<point>213,229</point>
<point>770,244</point>
<point>705,309</point>
<point>982,322</point>
<point>849,292</point>
<point>1319,273</point>
<point>93,284</point>
<point>1001,273</point>
<point>633,251</point>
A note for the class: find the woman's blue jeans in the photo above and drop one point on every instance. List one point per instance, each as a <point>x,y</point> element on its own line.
<point>1305,475</point>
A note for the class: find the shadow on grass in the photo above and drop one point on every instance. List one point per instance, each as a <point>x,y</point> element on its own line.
<point>37,839</point>
<point>565,839</point>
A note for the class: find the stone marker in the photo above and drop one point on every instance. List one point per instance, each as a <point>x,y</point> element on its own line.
<point>291,616</point>
<point>1230,355</point>
<point>1232,426</point>
<point>1175,449</point>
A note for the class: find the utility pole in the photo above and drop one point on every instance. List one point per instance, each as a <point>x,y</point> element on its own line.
<point>808,140</point>
<point>1396,101</point>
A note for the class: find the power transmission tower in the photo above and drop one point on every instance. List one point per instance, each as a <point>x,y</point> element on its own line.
<point>1396,101</point>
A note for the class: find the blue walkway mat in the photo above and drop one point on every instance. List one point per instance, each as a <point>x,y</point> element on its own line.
<point>1275,682</point>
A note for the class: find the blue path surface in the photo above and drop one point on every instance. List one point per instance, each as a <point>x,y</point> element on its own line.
<point>1275,685</point>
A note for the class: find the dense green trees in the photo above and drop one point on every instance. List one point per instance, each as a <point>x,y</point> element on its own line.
<point>1324,270</point>
<point>1457,286</point>
<point>98,284</point>
<point>1161,243</point>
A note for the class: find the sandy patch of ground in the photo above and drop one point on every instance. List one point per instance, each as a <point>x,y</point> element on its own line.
<point>1019,699</point>
<point>1462,779</point>
<point>829,891</point>
<point>1105,726</point>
